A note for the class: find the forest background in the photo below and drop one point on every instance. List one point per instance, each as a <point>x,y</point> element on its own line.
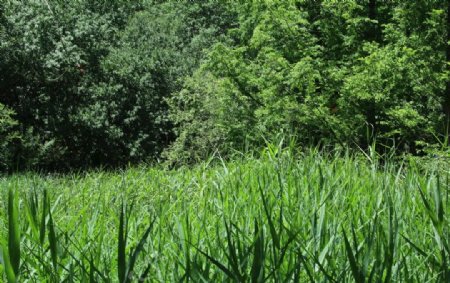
<point>107,83</point>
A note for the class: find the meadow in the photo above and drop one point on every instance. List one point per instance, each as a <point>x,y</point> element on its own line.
<point>281,217</point>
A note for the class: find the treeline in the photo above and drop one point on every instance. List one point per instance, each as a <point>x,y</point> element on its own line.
<point>87,83</point>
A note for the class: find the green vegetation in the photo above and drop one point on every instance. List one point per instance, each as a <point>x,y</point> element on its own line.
<point>339,73</point>
<point>101,83</point>
<point>7,136</point>
<point>285,217</point>
<point>135,141</point>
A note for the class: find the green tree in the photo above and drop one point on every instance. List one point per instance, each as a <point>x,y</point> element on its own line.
<point>396,87</point>
<point>127,112</point>
<point>262,80</point>
<point>53,53</point>
<point>347,73</point>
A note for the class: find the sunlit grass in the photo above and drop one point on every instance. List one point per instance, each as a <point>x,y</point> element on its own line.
<point>280,218</point>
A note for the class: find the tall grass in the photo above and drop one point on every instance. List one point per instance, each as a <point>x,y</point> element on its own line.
<point>309,217</point>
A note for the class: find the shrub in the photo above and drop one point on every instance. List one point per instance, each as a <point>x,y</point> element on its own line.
<point>7,136</point>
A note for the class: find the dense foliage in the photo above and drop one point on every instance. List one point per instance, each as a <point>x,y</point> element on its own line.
<point>89,83</point>
<point>338,73</point>
<point>303,140</point>
<point>7,136</point>
<point>51,54</point>
<point>284,217</point>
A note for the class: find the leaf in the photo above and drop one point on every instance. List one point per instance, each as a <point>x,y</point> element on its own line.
<point>10,275</point>
<point>134,255</point>
<point>44,216</point>
<point>219,265</point>
<point>258,255</point>
<point>13,231</point>
<point>351,257</point>
<point>52,239</point>
<point>122,242</point>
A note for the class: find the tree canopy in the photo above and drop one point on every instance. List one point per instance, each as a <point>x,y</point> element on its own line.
<point>99,83</point>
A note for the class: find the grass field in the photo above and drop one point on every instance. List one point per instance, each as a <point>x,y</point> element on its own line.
<point>279,218</point>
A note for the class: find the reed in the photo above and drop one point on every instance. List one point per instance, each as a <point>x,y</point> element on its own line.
<point>284,217</point>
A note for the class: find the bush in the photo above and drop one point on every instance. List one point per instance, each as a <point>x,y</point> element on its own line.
<point>7,136</point>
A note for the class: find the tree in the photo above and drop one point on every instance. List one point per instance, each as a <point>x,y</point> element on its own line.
<point>158,48</point>
<point>347,73</point>
<point>262,80</point>
<point>446,105</point>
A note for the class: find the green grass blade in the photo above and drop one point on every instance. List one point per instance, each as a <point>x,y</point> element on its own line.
<point>9,271</point>
<point>91,271</point>
<point>13,231</point>
<point>222,267</point>
<point>273,230</point>
<point>258,255</point>
<point>144,275</point>
<point>42,230</point>
<point>31,209</point>
<point>438,201</point>
<point>232,256</point>
<point>122,242</point>
<point>352,260</point>
<point>309,270</point>
<point>134,255</point>
<point>431,259</point>
<point>53,241</point>
<point>428,207</point>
